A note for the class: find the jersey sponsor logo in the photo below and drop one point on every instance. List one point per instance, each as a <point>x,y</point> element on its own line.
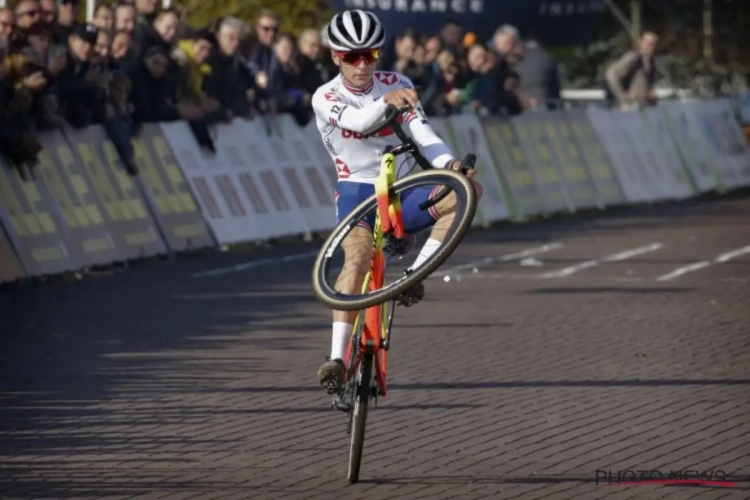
<point>342,169</point>
<point>405,84</point>
<point>348,134</point>
<point>330,96</point>
<point>387,78</point>
<point>329,146</point>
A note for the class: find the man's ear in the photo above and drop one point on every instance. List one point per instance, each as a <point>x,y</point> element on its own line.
<point>335,58</point>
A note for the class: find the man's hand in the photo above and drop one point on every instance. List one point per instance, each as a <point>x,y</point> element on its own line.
<point>402,97</point>
<point>458,164</point>
<point>35,81</point>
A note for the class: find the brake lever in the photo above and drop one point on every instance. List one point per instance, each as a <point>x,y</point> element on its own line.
<point>468,163</point>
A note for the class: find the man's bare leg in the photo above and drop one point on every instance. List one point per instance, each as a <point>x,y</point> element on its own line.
<point>357,248</point>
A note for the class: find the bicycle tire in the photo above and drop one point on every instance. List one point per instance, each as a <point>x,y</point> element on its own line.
<point>466,193</point>
<point>361,403</point>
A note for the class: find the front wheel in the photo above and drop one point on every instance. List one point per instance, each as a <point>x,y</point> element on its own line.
<point>322,275</point>
<point>361,401</point>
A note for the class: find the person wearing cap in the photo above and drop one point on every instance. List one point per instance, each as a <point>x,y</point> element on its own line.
<point>67,15</point>
<point>80,88</point>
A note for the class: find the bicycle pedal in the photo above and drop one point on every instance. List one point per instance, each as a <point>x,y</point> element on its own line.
<point>340,404</point>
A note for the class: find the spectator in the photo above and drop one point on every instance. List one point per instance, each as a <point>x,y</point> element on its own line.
<point>630,80</point>
<point>125,17</point>
<point>102,46</point>
<point>504,40</point>
<point>81,88</point>
<point>230,82</point>
<point>540,75</point>
<point>7,23</point>
<point>191,56</point>
<point>49,11</point>
<point>316,68</point>
<point>28,12</point>
<point>287,84</point>
<point>19,81</point>
<point>266,27</point>
<point>145,13</point>
<point>68,12</point>
<point>163,33</point>
<point>489,91</point>
<point>451,36</point>
<point>121,43</point>
<point>154,95</point>
<point>104,17</point>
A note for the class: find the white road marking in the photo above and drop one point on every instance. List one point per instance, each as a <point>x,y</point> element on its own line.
<point>503,258</point>
<point>255,263</point>
<point>725,257</point>
<point>567,271</point>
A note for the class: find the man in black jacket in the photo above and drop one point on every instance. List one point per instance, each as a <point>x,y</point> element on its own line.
<point>81,88</point>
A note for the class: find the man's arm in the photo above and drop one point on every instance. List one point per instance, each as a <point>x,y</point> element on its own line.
<point>432,146</point>
<point>617,71</point>
<point>329,108</point>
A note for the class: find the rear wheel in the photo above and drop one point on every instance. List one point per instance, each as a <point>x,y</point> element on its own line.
<point>323,275</point>
<point>361,401</point>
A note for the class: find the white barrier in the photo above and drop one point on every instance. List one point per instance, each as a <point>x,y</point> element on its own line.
<point>273,178</point>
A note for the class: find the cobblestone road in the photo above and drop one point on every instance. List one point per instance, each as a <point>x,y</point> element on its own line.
<point>615,342</point>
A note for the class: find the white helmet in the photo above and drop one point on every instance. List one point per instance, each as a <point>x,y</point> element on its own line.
<point>354,30</point>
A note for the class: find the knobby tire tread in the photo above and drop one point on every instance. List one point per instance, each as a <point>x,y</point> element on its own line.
<point>361,403</point>
<point>379,297</point>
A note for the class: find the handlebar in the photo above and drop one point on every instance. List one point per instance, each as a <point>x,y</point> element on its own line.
<point>390,120</point>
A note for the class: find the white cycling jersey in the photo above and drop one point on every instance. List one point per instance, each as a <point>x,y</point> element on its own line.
<point>342,113</point>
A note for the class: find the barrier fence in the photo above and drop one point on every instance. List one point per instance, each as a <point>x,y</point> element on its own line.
<point>273,179</point>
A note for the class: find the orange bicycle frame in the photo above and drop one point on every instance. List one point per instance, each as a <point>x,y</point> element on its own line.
<point>387,219</point>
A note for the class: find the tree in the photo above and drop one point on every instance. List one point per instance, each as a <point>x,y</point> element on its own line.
<point>296,15</point>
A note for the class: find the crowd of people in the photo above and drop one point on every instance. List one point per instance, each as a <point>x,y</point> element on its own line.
<point>135,64</point>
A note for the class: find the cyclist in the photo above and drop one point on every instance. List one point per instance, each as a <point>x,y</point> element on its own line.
<point>345,107</point>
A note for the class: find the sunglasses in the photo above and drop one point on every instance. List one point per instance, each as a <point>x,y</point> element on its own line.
<point>30,13</point>
<point>354,58</point>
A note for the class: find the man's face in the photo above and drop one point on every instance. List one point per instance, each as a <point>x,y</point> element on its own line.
<point>104,19</point>
<point>284,50</point>
<point>648,44</point>
<point>125,18</point>
<point>146,7</point>
<point>80,48</point>
<point>452,34</point>
<point>166,26</point>
<point>103,42</point>
<point>49,10</point>
<point>201,50</point>
<point>310,45</point>
<point>120,46</point>
<point>504,42</point>
<point>357,67</point>
<point>68,11</point>
<point>6,23</point>
<point>229,40</point>
<point>27,13</point>
<point>405,47</point>
<point>477,58</point>
<point>267,29</point>
<point>431,49</point>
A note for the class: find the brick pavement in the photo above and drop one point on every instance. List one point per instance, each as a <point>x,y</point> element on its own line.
<point>151,383</point>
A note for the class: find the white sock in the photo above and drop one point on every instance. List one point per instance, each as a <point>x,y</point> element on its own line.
<point>429,248</point>
<point>341,334</point>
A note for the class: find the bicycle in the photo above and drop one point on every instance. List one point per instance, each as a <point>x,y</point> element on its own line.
<point>371,338</point>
